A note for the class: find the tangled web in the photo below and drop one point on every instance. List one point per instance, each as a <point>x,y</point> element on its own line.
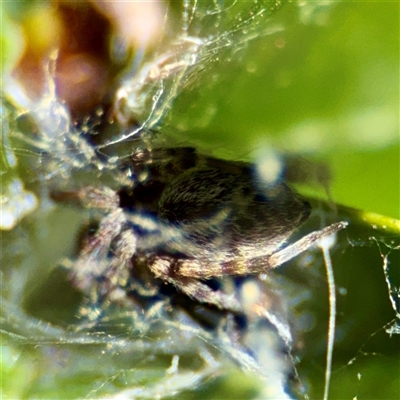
<point>160,350</point>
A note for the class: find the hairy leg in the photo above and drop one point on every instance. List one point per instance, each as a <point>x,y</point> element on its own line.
<point>201,269</point>
<point>93,262</point>
<point>192,287</point>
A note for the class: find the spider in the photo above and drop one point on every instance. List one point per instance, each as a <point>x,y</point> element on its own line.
<point>190,217</point>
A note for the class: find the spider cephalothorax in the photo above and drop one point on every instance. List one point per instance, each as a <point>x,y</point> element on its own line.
<point>191,218</point>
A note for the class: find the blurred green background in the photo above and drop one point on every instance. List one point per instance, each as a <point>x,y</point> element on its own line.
<point>327,87</point>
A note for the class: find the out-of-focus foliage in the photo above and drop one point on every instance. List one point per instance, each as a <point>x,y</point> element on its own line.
<point>327,86</point>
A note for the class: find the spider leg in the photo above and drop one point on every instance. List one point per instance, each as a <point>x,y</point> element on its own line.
<point>192,287</point>
<point>201,269</point>
<point>125,248</point>
<point>94,265</point>
<point>90,197</point>
<point>287,253</point>
<point>92,262</point>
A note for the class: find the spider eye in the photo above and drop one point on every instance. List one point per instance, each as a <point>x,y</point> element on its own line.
<point>246,191</point>
<point>259,198</point>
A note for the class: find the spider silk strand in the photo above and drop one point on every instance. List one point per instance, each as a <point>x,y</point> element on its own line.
<point>332,316</point>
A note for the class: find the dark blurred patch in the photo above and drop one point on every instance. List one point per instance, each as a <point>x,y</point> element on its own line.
<point>55,300</point>
<point>84,70</point>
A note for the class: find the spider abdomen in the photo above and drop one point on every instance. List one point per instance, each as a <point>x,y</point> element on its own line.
<point>228,215</point>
